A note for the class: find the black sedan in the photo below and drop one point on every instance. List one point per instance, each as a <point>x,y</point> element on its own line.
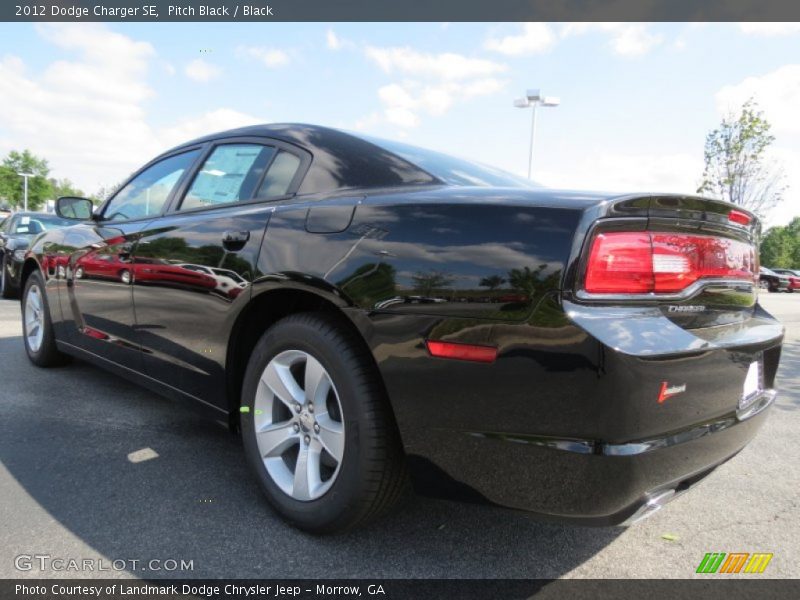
<point>364,311</point>
<point>16,233</point>
<point>773,282</point>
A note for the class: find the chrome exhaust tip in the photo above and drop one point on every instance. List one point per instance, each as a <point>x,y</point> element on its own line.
<point>651,506</point>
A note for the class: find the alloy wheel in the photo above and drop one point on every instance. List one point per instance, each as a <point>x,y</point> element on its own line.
<point>299,425</point>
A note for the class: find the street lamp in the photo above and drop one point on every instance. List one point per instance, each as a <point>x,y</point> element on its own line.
<point>25,177</point>
<point>532,99</point>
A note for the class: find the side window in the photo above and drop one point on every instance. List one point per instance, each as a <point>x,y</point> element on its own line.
<point>280,175</point>
<point>147,193</point>
<point>230,174</point>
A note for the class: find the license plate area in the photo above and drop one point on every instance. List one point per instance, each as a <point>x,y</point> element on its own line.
<point>753,383</point>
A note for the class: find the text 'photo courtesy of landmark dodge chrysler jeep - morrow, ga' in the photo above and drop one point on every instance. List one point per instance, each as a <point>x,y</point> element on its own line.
<point>369,313</point>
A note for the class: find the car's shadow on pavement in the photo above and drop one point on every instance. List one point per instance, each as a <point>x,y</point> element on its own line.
<point>66,435</point>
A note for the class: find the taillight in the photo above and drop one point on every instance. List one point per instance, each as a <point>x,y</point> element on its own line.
<point>663,263</point>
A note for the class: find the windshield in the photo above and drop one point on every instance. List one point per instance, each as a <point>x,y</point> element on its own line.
<point>452,170</point>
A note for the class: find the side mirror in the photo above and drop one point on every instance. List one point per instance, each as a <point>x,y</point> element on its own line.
<point>72,207</point>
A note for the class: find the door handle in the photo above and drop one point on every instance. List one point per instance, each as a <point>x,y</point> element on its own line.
<point>235,240</point>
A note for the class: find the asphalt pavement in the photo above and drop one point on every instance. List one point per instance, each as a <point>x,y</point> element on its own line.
<point>96,469</point>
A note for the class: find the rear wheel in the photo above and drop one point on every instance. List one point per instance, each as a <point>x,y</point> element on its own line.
<point>5,288</point>
<point>317,427</point>
<point>37,328</point>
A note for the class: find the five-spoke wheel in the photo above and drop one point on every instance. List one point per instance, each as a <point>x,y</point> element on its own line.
<point>298,425</point>
<point>317,427</point>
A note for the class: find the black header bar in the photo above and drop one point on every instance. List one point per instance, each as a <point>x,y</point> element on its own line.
<point>398,10</point>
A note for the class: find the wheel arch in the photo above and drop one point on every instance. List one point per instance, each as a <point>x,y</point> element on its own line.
<point>29,266</point>
<point>267,307</point>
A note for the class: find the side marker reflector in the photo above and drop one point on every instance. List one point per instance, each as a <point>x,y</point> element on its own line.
<point>471,352</point>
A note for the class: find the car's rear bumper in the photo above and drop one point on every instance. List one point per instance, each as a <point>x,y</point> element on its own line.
<point>582,480</point>
<point>570,421</point>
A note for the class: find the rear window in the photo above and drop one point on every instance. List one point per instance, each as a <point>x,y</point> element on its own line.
<point>452,170</point>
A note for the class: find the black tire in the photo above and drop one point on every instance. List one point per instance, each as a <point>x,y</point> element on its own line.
<point>6,291</point>
<point>47,355</point>
<point>372,473</point>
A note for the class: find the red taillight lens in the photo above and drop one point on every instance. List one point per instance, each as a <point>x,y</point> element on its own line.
<point>663,263</point>
<point>471,352</point>
<point>737,216</point>
<point>620,263</point>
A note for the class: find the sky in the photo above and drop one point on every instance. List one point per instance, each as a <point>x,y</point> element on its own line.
<point>637,100</point>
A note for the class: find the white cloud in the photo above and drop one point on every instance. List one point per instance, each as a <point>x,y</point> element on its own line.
<point>334,43</point>
<point>770,29</point>
<point>201,71</point>
<point>535,38</point>
<point>271,57</point>
<point>404,101</point>
<point>205,124</point>
<point>626,39</point>
<point>622,172</point>
<point>777,93</point>
<point>432,83</point>
<point>86,112</point>
<point>446,66</point>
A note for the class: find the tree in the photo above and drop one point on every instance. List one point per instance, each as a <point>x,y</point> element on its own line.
<point>105,191</point>
<point>64,187</point>
<point>492,282</point>
<point>735,168</point>
<point>425,282</point>
<point>780,246</point>
<point>526,280</point>
<point>12,185</point>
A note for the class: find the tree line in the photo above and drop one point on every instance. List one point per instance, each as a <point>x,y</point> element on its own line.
<point>41,187</point>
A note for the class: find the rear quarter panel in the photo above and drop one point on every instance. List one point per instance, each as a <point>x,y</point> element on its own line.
<point>462,256</point>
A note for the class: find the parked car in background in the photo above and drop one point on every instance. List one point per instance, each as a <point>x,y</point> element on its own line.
<point>16,232</point>
<point>771,281</point>
<point>793,275</point>
<point>626,357</point>
<point>5,211</point>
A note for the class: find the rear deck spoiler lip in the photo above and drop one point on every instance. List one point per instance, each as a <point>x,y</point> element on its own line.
<point>681,206</point>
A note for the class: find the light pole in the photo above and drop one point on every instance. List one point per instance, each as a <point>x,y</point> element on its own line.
<point>25,177</point>
<point>532,99</point>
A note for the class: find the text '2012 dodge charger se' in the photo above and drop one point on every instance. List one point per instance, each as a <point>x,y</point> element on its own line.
<point>363,311</point>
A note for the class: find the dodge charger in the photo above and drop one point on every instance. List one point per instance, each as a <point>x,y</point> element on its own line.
<point>368,313</point>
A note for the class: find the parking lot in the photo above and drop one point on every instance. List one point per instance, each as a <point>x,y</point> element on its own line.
<point>68,489</point>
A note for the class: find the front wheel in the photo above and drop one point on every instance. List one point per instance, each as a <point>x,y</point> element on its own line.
<point>37,328</point>
<point>317,428</point>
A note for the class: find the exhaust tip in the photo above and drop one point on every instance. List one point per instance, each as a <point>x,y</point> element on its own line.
<point>651,506</point>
